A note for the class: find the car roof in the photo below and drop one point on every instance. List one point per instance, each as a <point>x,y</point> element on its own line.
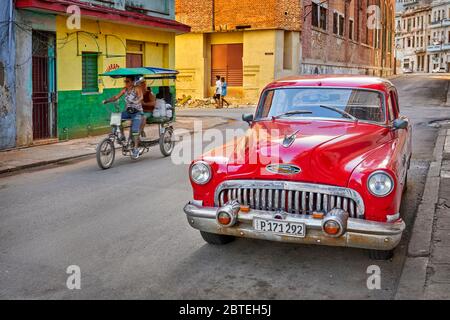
<point>338,81</point>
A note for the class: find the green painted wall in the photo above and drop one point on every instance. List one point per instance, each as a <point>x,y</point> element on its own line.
<point>81,115</point>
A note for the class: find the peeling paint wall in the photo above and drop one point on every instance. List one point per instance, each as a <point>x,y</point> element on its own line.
<point>7,87</point>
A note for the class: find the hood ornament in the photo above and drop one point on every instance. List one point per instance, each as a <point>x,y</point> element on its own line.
<point>283,169</point>
<point>289,140</point>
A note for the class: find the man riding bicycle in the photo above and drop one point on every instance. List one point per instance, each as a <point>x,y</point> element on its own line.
<point>133,111</point>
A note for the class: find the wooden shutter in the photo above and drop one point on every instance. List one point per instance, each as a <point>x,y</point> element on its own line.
<point>226,61</point>
<point>90,72</point>
<point>134,60</point>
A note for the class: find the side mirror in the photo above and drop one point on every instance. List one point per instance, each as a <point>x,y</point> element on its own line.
<point>400,124</point>
<point>248,118</point>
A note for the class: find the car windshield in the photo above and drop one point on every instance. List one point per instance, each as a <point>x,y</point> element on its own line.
<point>350,104</point>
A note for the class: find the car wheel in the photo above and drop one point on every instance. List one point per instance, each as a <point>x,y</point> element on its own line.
<point>381,254</point>
<point>216,239</point>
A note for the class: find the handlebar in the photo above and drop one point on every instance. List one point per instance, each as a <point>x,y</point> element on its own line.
<point>116,106</point>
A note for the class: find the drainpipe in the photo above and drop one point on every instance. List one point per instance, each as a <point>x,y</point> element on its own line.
<point>213,15</point>
<point>11,4</point>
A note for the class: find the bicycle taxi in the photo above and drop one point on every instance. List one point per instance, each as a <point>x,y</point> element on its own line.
<point>163,117</point>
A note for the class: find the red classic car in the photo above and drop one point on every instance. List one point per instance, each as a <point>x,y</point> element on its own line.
<point>325,161</point>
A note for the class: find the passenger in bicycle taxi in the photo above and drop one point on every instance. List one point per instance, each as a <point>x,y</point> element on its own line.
<point>133,111</point>
<point>148,104</point>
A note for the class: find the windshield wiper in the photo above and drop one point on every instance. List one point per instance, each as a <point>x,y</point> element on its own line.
<point>342,112</point>
<point>292,113</point>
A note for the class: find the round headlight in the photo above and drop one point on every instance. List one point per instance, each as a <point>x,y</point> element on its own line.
<point>380,184</point>
<point>201,172</point>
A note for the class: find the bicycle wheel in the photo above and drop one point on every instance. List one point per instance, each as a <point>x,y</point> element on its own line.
<point>106,154</point>
<point>166,142</point>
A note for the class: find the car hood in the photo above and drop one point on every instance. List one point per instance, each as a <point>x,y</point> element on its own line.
<point>326,152</point>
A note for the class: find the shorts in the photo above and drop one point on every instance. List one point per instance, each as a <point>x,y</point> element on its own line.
<point>217,96</point>
<point>136,119</point>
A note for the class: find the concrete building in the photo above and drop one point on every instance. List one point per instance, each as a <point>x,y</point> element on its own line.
<point>413,37</point>
<point>352,36</point>
<point>53,64</point>
<point>249,42</point>
<point>439,30</point>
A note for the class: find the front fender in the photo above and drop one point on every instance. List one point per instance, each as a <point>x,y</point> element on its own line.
<point>385,159</point>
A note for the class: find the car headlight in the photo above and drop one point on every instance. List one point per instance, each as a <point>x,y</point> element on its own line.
<point>380,184</point>
<point>201,172</point>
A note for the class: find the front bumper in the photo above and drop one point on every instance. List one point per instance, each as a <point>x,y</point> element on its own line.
<point>359,233</point>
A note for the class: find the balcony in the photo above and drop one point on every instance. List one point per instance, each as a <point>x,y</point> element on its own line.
<point>438,47</point>
<point>154,7</point>
<point>440,23</point>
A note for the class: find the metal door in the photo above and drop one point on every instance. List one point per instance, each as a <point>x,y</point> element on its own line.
<point>44,85</point>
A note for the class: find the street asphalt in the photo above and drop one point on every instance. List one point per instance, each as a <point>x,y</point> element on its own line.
<point>126,230</point>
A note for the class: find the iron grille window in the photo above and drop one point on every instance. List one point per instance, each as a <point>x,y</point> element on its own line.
<point>90,71</point>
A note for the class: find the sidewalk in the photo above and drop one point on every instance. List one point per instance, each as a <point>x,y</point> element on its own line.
<point>19,159</point>
<point>426,273</point>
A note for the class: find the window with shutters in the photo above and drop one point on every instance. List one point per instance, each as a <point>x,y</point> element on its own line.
<point>90,71</point>
<point>226,61</point>
<point>135,54</point>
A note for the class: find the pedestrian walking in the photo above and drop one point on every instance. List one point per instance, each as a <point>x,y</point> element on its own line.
<point>218,93</point>
<point>224,92</point>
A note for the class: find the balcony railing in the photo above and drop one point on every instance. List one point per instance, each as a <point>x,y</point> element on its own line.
<point>440,23</point>
<point>438,47</point>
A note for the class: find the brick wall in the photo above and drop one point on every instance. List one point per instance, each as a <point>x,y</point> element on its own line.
<point>229,14</point>
<point>330,53</point>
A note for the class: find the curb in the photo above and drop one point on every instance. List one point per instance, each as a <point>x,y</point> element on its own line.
<point>85,155</point>
<point>446,155</point>
<point>412,280</point>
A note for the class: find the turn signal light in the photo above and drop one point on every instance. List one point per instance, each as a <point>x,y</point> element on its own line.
<point>331,227</point>
<point>224,218</point>
<point>245,209</point>
<point>318,215</point>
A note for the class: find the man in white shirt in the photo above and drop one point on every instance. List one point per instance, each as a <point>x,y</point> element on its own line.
<point>218,93</point>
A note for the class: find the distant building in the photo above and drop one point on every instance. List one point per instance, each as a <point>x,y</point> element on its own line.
<point>352,36</point>
<point>413,37</point>
<point>52,68</point>
<point>423,36</point>
<point>250,43</point>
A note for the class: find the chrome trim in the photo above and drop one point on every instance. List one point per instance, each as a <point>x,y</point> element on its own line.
<point>390,177</point>
<point>340,217</point>
<point>208,166</point>
<point>359,233</point>
<point>232,209</point>
<point>326,190</point>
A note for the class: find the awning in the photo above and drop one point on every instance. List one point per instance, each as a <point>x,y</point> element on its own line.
<point>147,72</point>
<point>97,12</point>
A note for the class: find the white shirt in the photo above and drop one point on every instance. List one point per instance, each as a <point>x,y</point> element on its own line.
<point>219,87</point>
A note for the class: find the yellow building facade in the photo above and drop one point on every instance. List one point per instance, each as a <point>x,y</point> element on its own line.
<point>63,98</point>
<point>250,49</point>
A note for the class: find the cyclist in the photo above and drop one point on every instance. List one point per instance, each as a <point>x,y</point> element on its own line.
<point>134,112</point>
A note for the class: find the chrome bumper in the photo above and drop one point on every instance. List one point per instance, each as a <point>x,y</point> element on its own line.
<point>359,233</point>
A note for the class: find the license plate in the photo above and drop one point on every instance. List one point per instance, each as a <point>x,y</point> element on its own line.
<point>294,229</point>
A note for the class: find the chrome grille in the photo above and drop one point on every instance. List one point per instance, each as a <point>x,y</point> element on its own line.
<point>290,197</point>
